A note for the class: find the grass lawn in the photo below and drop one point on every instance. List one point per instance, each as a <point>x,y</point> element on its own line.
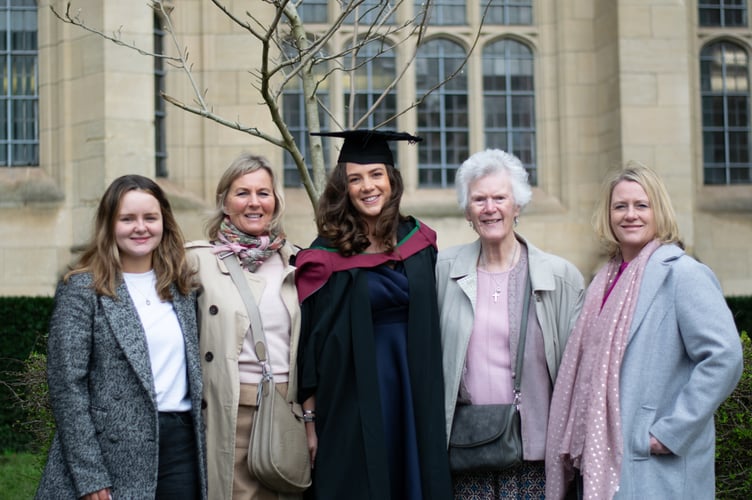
<point>19,475</point>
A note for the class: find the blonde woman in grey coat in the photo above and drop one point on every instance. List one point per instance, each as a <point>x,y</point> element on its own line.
<point>123,368</point>
<point>653,354</point>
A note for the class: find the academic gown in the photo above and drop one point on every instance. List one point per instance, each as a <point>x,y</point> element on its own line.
<point>337,363</point>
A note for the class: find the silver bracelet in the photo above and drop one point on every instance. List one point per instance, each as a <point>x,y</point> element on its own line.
<point>309,416</point>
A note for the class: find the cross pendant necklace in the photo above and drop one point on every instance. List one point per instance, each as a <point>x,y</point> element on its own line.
<point>497,292</point>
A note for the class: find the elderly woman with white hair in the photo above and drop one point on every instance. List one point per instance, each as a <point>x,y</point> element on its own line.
<point>482,293</point>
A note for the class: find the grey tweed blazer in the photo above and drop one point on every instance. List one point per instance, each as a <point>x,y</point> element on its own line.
<point>102,394</point>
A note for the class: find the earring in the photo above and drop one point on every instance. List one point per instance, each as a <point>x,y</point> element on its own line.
<point>516,221</point>
<point>470,223</point>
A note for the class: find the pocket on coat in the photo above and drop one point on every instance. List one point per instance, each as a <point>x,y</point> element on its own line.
<point>640,438</point>
<point>662,476</point>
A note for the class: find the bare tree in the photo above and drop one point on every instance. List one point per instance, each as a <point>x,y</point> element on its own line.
<point>289,52</point>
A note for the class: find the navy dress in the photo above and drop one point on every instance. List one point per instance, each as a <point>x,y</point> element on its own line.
<point>389,294</point>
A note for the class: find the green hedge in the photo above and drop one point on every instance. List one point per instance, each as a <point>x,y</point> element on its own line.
<point>733,423</point>
<point>24,322</point>
<point>23,326</point>
<point>741,307</point>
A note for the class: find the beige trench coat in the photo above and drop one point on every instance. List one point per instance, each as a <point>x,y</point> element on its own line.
<point>223,322</point>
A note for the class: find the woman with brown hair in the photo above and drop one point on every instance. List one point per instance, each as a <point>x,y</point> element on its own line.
<point>370,354</point>
<point>122,359</point>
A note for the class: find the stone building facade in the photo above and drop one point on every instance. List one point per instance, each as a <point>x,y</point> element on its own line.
<point>573,87</point>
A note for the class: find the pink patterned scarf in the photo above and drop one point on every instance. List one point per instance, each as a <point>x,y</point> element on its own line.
<point>252,251</point>
<point>584,430</point>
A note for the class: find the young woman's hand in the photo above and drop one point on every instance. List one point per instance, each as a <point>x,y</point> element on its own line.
<point>313,440</point>
<point>98,495</point>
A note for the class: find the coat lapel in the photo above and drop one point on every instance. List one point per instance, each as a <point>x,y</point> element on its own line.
<point>656,272</point>
<point>185,310</point>
<point>465,272</point>
<point>542,274</point>
<point>126,327</point>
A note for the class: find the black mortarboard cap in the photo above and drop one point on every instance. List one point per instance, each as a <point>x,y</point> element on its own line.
<point>368,146</point>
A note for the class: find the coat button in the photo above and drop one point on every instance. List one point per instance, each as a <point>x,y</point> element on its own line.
<point>203,404</point>
<point>209,356</point>
<point>213,310</point>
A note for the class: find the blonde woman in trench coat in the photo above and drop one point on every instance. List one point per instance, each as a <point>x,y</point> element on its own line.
<point>247,223</point>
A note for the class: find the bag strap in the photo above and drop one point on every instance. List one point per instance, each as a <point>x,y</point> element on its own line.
<point>257,329</point>
<point>521,341</point>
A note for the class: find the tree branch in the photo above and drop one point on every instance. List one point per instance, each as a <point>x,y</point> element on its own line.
<point>288,51</point>
<point>115,38</point>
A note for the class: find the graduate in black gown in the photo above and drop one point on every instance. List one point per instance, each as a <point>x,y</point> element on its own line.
<point>370,350</point>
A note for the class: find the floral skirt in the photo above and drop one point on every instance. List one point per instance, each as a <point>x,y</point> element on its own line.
<point>526,481</point>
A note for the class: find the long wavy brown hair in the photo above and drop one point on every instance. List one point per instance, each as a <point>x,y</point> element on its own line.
<point>339,221</point>
<point>101,256</point>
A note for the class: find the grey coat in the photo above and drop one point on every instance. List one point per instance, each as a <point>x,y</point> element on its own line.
<point>103,397</point>
<point>559,293</point>
<point>682,359</point>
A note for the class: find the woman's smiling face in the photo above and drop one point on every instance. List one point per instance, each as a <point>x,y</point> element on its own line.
<point>250,202</point>
<point>632,218</point>
<point>491,207</point>
<point>138,230</point>
<point>369,189</point>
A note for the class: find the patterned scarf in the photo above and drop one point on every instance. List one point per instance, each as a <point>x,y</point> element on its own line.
<point>584,428</point>
<point>252,251</point>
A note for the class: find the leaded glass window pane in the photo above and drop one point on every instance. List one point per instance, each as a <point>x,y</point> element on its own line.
<point>509,12</point>
<point>445,12</point>
<point>160,108</point>
<point>723,13</point>
<point>375,70</point>
<point>19,131</point>
<point>509,101</point>
<point>724,84</point>
<point>313,11</point>
<point>371,12</point>
<point>294,115</point>
<point>442,116</point>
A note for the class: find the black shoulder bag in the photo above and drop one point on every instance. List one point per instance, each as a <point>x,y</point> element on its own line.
<point>488,437</point>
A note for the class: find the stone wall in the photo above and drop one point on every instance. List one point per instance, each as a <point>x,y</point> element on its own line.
<point>615,81</point>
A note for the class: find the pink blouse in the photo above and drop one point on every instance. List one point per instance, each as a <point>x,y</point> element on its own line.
<point>488,378</point>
